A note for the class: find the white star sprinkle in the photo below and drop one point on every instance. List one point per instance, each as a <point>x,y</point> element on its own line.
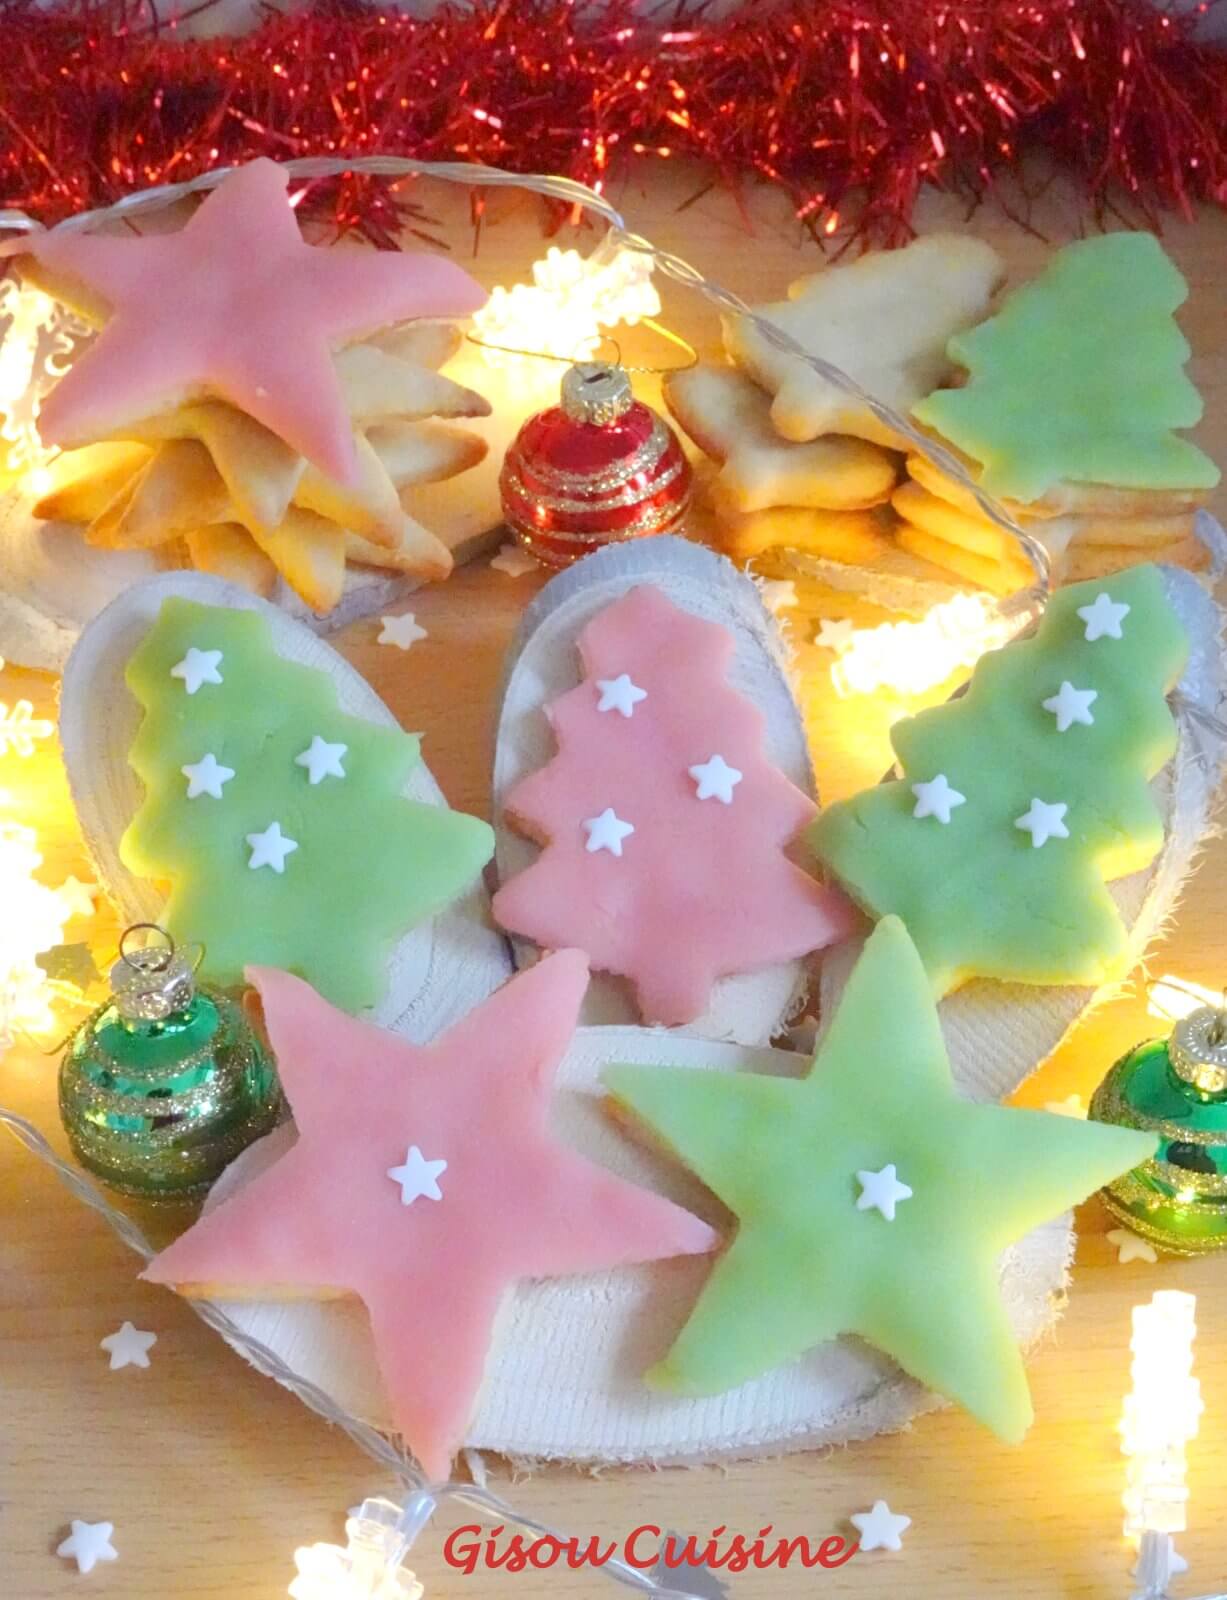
<point>1072,705</point>
<point>515,561</point>
<point>881,1191</point>
<point>206,776</point>
<point>270,848</point>
<point>401,631</point>
<point>778,594</point>
<point>936,798</point>
<point>1043,822</point>
<point>88,1544</point>
<point>1129,1247</point>
<point>607,832</point>
<point>881,1528</point>
<point>1073,1105</point>
<point>128,1347</point>
<point>197,667</point>
<point>418,1178</point>
<point>322,760</point>
<point>620,694</point>
<point>1103,617</point>
<point>76,897</point>
<point>835,634</point>
<point>715,780</point>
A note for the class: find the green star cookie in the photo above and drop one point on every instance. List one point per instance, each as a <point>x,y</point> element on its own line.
<point>793,1159</point>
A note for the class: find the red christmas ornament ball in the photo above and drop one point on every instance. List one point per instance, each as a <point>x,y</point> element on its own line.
<point>598,468</point>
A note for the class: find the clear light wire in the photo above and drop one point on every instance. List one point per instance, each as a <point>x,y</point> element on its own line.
<point>475,175</point>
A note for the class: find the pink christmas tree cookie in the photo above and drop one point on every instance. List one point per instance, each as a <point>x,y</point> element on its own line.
<point>425,1181</point>
<point>663,823</point>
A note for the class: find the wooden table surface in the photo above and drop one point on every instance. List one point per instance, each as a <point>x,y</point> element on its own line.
<point>213,1475</point>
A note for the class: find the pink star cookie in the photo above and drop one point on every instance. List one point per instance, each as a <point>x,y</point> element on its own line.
<point>425,1181</point>
<point>664,824</point>
<point>237,307</point>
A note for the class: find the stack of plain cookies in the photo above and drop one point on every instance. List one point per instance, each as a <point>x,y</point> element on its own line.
<point>1076,444</point>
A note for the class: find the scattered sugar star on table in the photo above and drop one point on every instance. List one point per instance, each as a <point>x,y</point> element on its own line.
<point>607,832</point>
<point>88,1544</point>
<point>1072,705</point>
<point>270,848</point>
<point>779,594</point>
<point>189,315</point>
<point>881,1528</point>
<point>518,1203</point>
<point>1073,1105</point>
<point>804,1265</point>
<point>128,1346</point>
<point>69,963</point>
<point>76,897</point>
<point>198,667</point>
<point>620,694</point>
<point>206,776</point>
<point>417,1177</point>
<point>402,631</point>
<point>322,760</point>
<point>1103,618</point>
<point>835,633</point>
<point>936,798</point>
<point>881,1191</point>
<point>514,561</point>
<point>1131,1247</point>
<point>715,780</point>
<point>1043,822</point>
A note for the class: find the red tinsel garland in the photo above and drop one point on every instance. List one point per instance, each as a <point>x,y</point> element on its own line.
<point>851,105</point>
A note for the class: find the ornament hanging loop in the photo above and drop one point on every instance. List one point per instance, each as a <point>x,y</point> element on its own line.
<point>154,981</point>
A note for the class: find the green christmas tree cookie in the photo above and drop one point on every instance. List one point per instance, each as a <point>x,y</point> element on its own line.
<point>1020,799</point>
<point>870,1198</point>
<point>276,818</point>
<point>1079,378</point>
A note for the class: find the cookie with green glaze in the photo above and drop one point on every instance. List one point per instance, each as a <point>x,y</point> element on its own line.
<point>1079,378</point>
<point>870,1198</point>
<point>276,819</point>
<point>1021,799</point>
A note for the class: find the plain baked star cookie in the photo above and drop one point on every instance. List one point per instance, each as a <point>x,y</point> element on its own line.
<point>729,418</point>
<point>884,320</point>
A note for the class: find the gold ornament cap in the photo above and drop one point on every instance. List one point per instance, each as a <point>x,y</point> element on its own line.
<point>1198,1050</point>
<point>596,392</point>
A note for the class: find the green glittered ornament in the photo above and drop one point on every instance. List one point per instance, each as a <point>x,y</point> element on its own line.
<point>1177,1089</point>
<point>167,1082</point>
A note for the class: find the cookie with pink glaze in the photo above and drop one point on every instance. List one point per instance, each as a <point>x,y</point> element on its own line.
<point>663,822</point>
<point>237,307</point>
<point>425,1181</point>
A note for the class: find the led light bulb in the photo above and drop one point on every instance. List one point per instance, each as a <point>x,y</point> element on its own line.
<point>1161,1414</point>
<point>910,657</point>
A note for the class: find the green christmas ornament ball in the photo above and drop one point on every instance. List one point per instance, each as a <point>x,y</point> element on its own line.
<point>166,1082</point>
<point>1177,1089</point>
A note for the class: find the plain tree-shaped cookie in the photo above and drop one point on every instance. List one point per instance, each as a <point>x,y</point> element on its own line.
<point>1024,797</point>
<point>884,320</point>
<point>1080,378</point>
<point>664,824</point>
